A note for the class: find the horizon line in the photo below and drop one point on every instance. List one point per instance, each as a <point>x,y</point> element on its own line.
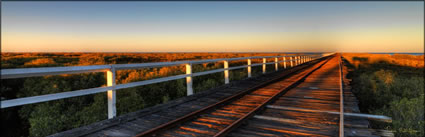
<point>199,52</point>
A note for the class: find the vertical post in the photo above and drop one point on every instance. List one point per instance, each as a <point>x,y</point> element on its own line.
<point>291,60</point>
<point>264,65</point>
<point>189,82</point>
<point>299,60</point>
<point>296,60</point>
<point>110,81</point>
<point>276,65</point>
<point>249,68</point>
<point>226,72</point>
<point>284,62</point>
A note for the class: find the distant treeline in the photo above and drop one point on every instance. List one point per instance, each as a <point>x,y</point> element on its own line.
<point>47,118</point>
<point>391,85</point>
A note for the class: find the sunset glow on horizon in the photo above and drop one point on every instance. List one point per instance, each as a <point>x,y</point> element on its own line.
<point>212,26</point>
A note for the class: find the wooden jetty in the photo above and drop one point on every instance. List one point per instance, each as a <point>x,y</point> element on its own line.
<point>305,100</point>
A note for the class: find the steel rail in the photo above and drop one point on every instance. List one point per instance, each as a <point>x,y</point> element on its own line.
<point>168,125</point>
<point>341,99</point>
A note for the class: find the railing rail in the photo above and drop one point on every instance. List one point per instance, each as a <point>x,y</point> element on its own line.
<point>111,70</point>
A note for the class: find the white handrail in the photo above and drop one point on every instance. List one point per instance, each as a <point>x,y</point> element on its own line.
<point>111,69</point>
<point>33,72</point>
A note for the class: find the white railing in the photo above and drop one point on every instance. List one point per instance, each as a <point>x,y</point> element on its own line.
<point>111,70</point>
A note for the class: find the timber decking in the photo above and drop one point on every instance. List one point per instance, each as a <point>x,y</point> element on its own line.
<point>300,111</point>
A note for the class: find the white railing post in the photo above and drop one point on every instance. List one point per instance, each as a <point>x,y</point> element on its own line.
<point>276,65</point>
<point>249,68</point>
<point>291,60</point>
<point>264,65</point>
<point>301,59</point>
<point>189,82</point>
<point>110,81</point>
<point>284,62</point>
<point>298,60</point>
<point>226,72</point>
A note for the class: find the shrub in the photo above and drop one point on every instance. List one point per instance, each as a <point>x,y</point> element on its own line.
<point>393,90</point>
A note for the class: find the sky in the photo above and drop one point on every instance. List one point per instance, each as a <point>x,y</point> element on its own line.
<point>215,26</point>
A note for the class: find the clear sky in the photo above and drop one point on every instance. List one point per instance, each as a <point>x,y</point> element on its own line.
<point>212,26</point>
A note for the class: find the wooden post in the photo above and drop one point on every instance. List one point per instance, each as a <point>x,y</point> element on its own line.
<point>276,65</point>
<point>284,62</point>
<point>189,82</point>
<point>291,60</point>
<point>296,60</point>
<point>302,59</point>
<point>226,72</point>
<point>264,65</point>
<point>299,60</point>
<point>110,81</point>
<point>249,68</point>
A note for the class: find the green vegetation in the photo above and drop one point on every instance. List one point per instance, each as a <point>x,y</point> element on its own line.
<point>391,89</point>
<point>47,118</point>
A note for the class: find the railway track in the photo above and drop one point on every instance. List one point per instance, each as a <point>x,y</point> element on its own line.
<point>247,113</point>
